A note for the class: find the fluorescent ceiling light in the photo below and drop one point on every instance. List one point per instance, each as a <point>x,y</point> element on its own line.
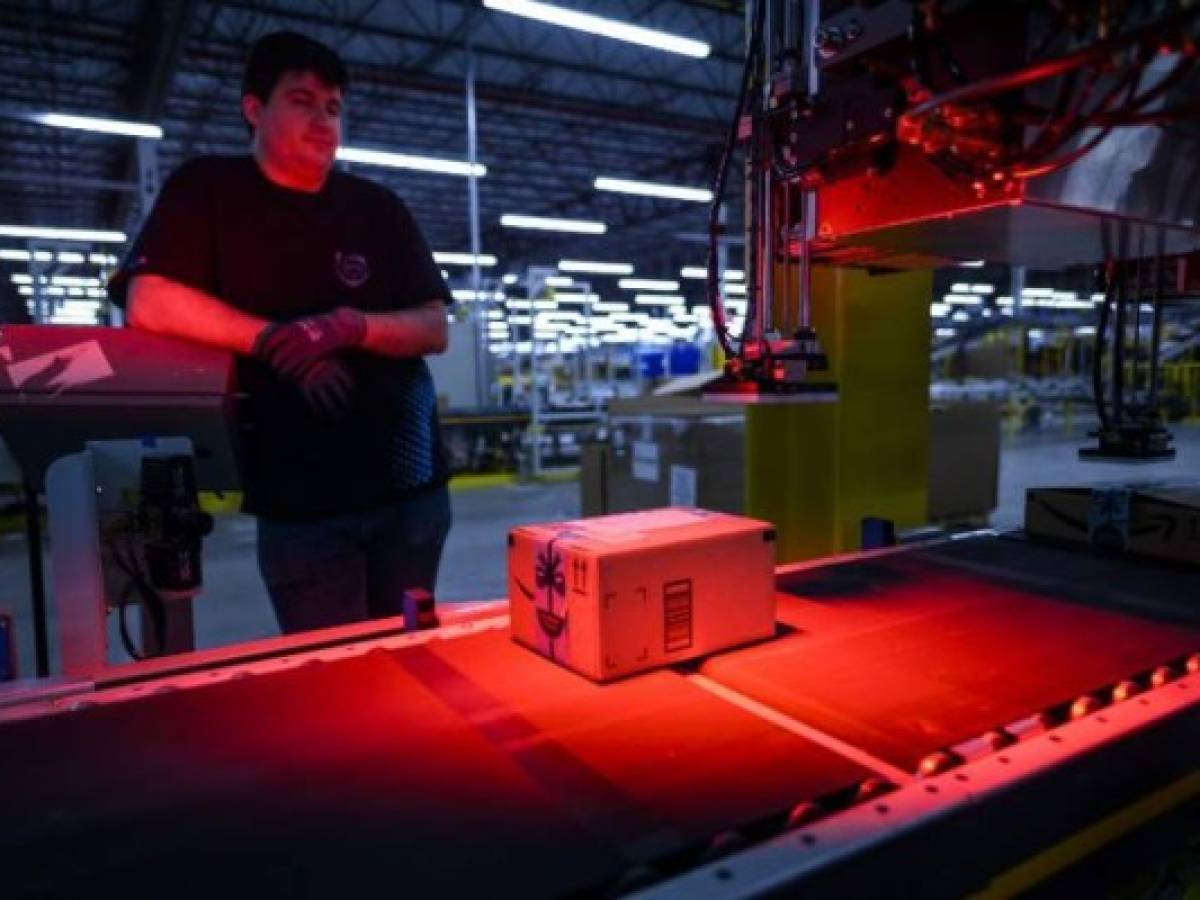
<point>64,280</point>
<point>659,300</point>
<point>648,284</point>
<point>983,289</point>
<point>62,234</point>
<point>735,289</point>
<point>467,294</point>
<point>610,307</point>
<point>596,268</point>
<point>610,28</point>
<point>972,263</point>
<point>67,257</point>
<point>464,259</point>
<point>510,278</point>
<point>559,280</point>
<point>100,126</point>
<point>651,189</point>
<point>576,298</point>
<point>543,223</point>
<point>963,299</point>
<point>699,272</point>
<point>409,161</point>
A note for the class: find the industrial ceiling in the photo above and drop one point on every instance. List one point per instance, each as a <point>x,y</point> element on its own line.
<point>556,109</point>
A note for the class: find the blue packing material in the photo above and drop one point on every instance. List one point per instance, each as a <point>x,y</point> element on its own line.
<point>653,363</point>
<point>684,358</point>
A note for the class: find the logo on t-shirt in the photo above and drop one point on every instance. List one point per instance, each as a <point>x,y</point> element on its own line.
<point>351,268</point>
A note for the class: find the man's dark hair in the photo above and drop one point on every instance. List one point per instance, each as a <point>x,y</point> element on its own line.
<point>287,51</point>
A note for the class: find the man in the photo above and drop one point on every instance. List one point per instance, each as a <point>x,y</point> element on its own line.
<point>323,284</point>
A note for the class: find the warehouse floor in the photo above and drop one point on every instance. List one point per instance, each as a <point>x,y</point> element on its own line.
<point>234,606</point>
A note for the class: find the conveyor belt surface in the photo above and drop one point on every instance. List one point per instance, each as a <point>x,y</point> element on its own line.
<point>902,655</point>
<point>469,765</point>
<point>464,766</point>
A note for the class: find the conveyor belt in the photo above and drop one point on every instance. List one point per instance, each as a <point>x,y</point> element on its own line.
<point>468,766</point>
<point>471,765</point>
<point>906,654</point>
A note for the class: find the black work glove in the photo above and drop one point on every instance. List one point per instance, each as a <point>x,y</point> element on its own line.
<point>327,388</point>
<point>326,383</point>
<point>290,348</point>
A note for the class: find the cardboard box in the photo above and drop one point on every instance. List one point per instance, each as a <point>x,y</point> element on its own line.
<point>1161,521</point>
<point>595,463</point>
<point>964,461</point>
<point>614,595</point>
<point>674,451</point>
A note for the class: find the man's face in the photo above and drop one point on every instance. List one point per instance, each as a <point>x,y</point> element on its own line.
<point>299,128</point>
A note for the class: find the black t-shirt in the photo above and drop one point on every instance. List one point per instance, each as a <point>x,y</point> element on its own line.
<point>221,226</point>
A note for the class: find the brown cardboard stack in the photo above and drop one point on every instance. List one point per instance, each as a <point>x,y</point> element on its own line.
<point>667,451</point>
<point>1161,521</point>
<point>681,451</point>
<point>614,595</point>
<point>964,460</point>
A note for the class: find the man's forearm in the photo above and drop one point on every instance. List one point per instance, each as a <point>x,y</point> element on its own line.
<point>167,307</point>
<point>409,332</point>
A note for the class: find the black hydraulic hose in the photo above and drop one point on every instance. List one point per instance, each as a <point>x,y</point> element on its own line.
<point>715,301</point>
<point>1156,321</point>
<point>1128,83</point>
<point>1051,68</point>
<point>154,603</point>
<point>1098,354</point>
<point>1118,361</point>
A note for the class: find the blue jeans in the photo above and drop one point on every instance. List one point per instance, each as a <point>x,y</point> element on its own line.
<point>355,566</point>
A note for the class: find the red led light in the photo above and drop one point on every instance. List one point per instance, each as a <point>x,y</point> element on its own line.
<point>1161,676</point>
<point>872,787</point>
<point>1085,705</point>
<point>998,739</point>
<point>1193,663</point>
<point>937,762</point>
<point>803,813</point>
<point>1125,690</point>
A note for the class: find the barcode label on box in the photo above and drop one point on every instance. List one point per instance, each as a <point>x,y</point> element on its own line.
<point>677,615</point>
<point>645,461</point>
<point>683,486</point>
